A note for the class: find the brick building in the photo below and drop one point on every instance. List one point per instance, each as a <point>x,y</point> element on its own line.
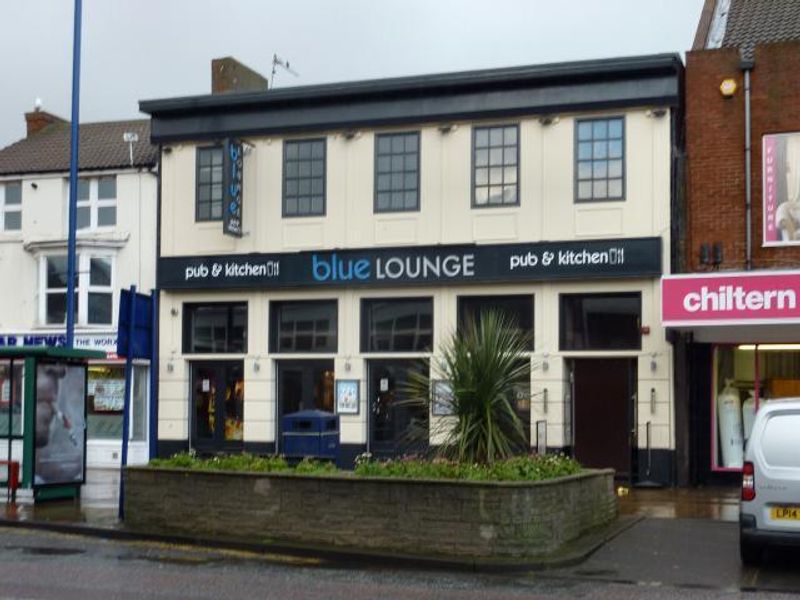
<point>736,345</point>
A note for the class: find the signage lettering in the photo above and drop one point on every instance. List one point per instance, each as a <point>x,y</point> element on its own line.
<point>465,263</point>
<point>233,176</point>
<point>728,297</point>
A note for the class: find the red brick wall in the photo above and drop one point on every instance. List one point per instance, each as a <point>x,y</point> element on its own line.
<point>715,207</point>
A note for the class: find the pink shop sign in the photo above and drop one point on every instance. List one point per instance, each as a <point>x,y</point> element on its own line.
<point>730,298</point>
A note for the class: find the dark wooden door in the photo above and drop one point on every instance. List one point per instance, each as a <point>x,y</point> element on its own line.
<point>604,405</point>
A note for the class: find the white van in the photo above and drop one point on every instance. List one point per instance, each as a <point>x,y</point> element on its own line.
<point>769,512</point>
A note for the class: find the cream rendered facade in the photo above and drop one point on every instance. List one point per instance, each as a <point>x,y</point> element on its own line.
<point>547,211</point>
<point>129,245</point>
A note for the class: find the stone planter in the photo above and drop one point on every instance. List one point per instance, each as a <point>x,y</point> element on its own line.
<point>379,515</point>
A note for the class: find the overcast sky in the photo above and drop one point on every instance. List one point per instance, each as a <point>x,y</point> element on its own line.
<point>144,49</point>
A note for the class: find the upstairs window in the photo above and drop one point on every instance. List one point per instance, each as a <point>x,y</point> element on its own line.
<point>11,206</point>
<point>304,178</point>
<point>93,290</point>
<point>495,166</point>
<point>397,172</point>
<point>208,199</point>
<point>600,159</point>
<point>97,202</point>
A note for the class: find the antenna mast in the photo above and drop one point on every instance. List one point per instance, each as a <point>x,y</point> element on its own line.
<point>284,64</point>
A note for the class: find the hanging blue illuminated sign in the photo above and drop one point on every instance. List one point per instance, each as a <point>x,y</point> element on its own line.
<point>233,176</point>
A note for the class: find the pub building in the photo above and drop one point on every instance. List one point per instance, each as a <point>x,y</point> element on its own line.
<point>318,243</point>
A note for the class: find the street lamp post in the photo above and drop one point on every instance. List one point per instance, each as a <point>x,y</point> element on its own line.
<point>73,175</point>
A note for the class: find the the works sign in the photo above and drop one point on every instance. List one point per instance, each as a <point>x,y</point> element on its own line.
<point>469,263</point>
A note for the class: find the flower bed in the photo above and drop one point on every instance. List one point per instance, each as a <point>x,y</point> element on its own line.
<point>409,515</point>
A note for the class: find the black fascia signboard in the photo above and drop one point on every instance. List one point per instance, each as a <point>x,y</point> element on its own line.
<point>425,265</point>
<point>232,179</point>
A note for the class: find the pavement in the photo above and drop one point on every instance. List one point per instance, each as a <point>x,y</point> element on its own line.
<point>682,538</point>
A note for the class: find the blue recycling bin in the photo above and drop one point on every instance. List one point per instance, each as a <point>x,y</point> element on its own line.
<point>310,434</point>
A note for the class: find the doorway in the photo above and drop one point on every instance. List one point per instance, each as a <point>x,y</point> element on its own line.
<point>304,385</point>
<point>604,413</point>
<point>395,427</point>
<point>218,405</point>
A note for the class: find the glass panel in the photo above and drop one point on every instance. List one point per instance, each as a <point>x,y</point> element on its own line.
<point>100,271</point>
<point>384,164</point>
<point>106,216</point>
<point>13,194</point>
<point>510,136</point>
<point>496,136</point>
<point>141,385</point>
<point>481,138</point>
<point>204,385</point>
<point>615,168</point>
<point>600,321</point>
<point>106,400</point>
<point>83,189</point>
<point>290,150</point>
<point>585,190</point>
<point>13,221</point>
<point>107,188</point>
<point>600,189</point>
<point>398,325</point>
<point>303,150</point>
<point>496,156</point>
<point>584,170</point>
<point>317,149</point>
<point>398,144</point>
<point>615,128</point>
<point>481,195</point>
<point>599,169</point>
<point>481,158</point>
<point>234,405</point>
<point>11,401</point>
<point>600,149</point>
<point>412,142</point>
<point>100,306</point>
<point>584,150</point>
<point>481,176</point>
<point>615,188</point>
<point>599,129</point>
<point>384,144</point>
<point>615,148</point>
<point>83,217</point>
<point>519,309</point>
<point>57,272</point>
<point>495,175</point>
<point>304,326</point>
<point>216,210</point>
<point>584,131</point>
<point>215,328</point>
<point>56,308</point>
<point>510,156</point>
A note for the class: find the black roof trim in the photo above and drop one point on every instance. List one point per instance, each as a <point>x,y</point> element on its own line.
<point>616,82</point>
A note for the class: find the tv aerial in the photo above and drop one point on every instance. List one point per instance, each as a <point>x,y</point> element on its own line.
<point>277,61</point>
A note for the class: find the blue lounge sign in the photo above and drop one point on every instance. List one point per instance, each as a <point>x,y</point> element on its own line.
<point>233,176</point>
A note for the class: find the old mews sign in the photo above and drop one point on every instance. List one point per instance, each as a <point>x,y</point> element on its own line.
<point>438,265</point>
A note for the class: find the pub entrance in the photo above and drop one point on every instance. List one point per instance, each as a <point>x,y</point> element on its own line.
<point>217,405</point>
<point>604,413</point>
<point>395,427</point>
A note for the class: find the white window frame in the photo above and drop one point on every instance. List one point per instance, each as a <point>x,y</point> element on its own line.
<point>9,208</point>
<point>83,268</point>
<point>94,203</point>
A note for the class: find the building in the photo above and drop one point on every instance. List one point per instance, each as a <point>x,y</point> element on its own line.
<point>116,219</point>
<point>316,244</point>
<point>733,312</point>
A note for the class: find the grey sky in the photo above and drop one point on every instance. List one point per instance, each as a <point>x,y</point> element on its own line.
<point>137,49</point>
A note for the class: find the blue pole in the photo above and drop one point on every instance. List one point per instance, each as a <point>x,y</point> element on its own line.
<point>73,175</point>
<point>153,413</point>
<point>127,403</point>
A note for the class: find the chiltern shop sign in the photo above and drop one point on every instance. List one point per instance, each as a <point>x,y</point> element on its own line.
<point>731,298</point>
<point>438,265</point>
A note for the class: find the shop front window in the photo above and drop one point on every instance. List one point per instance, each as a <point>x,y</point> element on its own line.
<point>304,326</point>
<point>404,325</point>
<point>106,402</point>
<point>601,321</point>
<point>743,377</point>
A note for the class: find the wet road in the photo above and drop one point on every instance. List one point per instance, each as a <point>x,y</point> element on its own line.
<point>656,558</point>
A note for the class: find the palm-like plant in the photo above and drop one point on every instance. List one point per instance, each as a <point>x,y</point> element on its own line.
<point>483,364</point>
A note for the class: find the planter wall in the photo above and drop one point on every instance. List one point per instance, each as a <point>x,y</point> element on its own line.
<point>419,517</point>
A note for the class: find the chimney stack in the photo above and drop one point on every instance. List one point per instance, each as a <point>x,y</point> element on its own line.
<point>39,119</point>
<point>228,76</point>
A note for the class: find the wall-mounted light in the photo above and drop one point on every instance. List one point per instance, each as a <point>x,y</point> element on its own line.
<point>347,366</point>
<point>653,363</point>
<point>256,366</point>
<point>173,311</point>
<point>728,87</point>
<point>655,113</point>
<point>350,134</point>
<point>549,120</point>
<point>170,367</point>
<point>652,401</point>
<point>544,401</point>
<point>447,127</point>
<point>545,363</point>
<point>34,185</point>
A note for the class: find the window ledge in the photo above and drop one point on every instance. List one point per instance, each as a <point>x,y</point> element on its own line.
<point>93,240</point>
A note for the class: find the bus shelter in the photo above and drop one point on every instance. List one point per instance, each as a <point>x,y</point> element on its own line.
<point>43,393</point>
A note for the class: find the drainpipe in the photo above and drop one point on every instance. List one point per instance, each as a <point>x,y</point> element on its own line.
<point>747,66</point>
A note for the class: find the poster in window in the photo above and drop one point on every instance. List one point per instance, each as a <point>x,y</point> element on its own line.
<point>347,396</point>
<point>781,189</point>
<point>108,395</point>
<point>442,399</point>
<point>60,442</point>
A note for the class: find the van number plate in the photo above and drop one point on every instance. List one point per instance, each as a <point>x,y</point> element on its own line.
<point>785,513</point>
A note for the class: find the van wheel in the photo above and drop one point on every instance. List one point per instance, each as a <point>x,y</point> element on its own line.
<point>749,553</point>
